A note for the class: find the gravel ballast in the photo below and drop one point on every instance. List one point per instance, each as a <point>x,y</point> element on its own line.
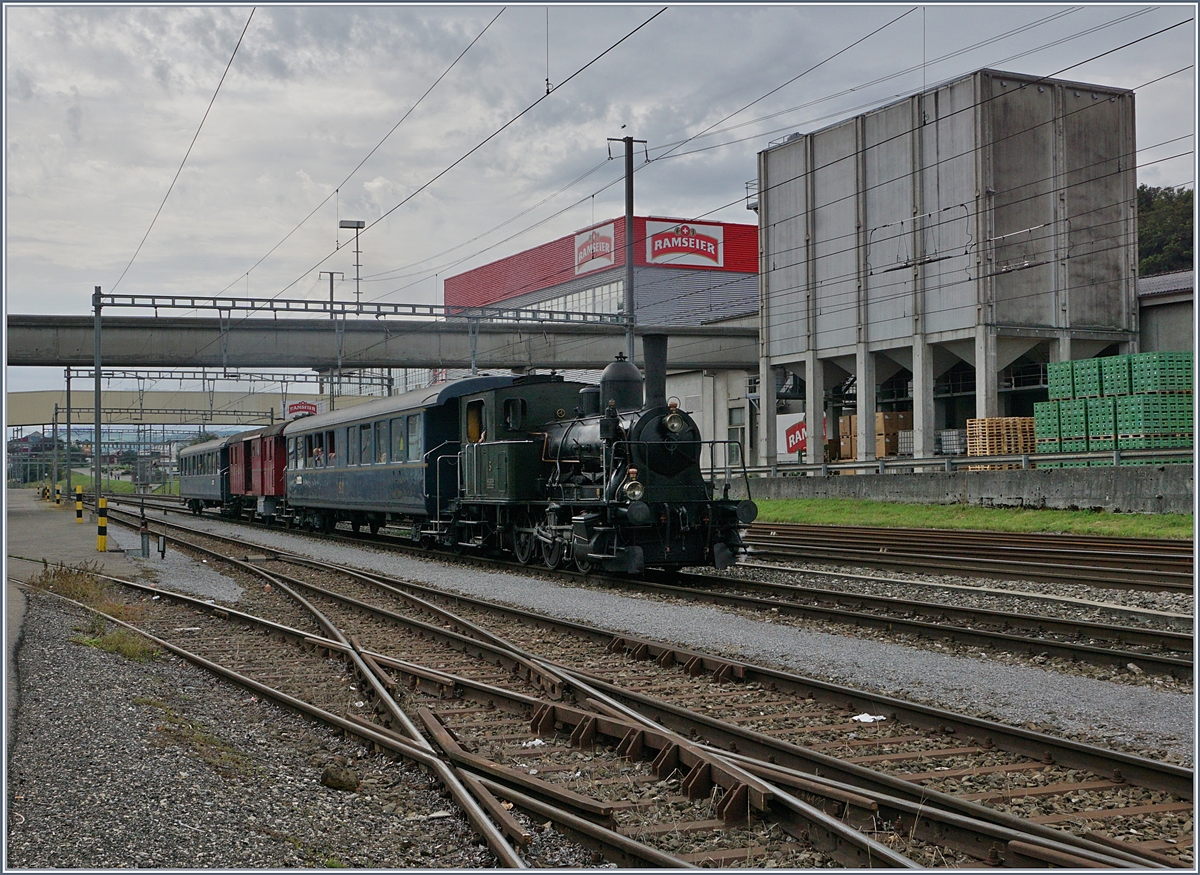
<point>1135,718</point>
<point>160,765</point>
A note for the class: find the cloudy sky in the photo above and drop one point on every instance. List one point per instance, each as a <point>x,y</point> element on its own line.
<point>321,116</point>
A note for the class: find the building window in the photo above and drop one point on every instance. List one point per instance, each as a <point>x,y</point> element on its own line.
<point>737,432</point>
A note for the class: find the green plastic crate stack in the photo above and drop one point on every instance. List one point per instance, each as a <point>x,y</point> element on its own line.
<point>1087,378</point>
<point>1102,423</point>
<point>1046,429</point>
<point>1158,372</point>
<point>1060,381</point>
<point>1155,421</point>
<point>1072,417</point>
<point>1115,375</point>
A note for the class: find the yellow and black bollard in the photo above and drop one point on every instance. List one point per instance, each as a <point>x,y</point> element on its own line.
<point>78,504</point>
<point>102,526</point>
<point>57,494</point>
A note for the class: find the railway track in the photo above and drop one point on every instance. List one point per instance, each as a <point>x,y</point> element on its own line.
<point>1122,563</point>
<point>723,738</point>
<point>1162,651</point>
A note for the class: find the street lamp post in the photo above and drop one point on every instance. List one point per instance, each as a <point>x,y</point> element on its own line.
<point>357,225</point>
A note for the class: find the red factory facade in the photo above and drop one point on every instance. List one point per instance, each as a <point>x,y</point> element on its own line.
<point>686,273</point>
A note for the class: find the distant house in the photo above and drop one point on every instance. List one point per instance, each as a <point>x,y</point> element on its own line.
<point>29,445</point>
<point>1166,307</point>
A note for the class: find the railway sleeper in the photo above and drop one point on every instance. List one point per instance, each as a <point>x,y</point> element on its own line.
<point>701,772</point>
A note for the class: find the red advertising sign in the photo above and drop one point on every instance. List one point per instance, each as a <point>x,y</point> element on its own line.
<point>301,408</point>
<point>685,244</point>
<point>595,249</point>
<point>796,438</point>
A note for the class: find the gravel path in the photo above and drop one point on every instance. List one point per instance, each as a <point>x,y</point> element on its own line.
<point>1136,718</point>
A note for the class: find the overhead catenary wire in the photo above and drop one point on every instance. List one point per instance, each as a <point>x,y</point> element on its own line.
<point>485,141</point>
<point>984,42</point>
<point>736,202</point>
<point>479,145</point>
<point>374,149</point>
<point>195,137</point>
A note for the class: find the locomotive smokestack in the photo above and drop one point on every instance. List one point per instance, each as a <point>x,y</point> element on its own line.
<point>654,354</point>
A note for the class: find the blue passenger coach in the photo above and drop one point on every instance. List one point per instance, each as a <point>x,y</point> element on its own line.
<point>204,475</point>
<point>386,459</point>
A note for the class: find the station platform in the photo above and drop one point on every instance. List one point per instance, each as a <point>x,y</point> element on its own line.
<point>37,532</point>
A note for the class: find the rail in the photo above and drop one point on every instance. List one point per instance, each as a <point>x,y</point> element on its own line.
<point>950,464</point>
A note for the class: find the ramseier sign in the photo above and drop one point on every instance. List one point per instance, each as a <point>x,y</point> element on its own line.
<point>664,243</point>
<point>595,249</point>
<point>685,243</point>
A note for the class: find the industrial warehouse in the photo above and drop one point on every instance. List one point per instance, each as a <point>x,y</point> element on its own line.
<point>403,503</point>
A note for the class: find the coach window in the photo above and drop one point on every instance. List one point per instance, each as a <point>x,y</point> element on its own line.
<point>366,450</point>
<point>514,414</point>
<point>330,450</point>
<point>352,445</point>
<point>381,442</point>
<point>398,439</point>
<point>475,421</point>
<point>414,438</point>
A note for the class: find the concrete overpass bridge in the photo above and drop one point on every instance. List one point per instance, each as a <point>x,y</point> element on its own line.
<point>350,343</point>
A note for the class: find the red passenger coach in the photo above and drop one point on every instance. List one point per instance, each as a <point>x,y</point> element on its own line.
<point>256,463</point>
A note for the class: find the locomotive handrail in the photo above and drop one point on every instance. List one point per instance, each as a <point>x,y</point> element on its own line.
<point>741,454</point>
<point>712,465</point>
<point>437,476</point>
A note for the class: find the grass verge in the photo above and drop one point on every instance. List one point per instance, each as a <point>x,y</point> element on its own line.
<point>81,584</point>
<point>857,512</point>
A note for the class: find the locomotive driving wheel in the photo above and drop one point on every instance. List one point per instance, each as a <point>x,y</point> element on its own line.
<point>523,540</point>
<point>552,553</point>
<point>584,564</point>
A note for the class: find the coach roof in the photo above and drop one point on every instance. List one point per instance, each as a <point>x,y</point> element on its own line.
<point>418,399</point>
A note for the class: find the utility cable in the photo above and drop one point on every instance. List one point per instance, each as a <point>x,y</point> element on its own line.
<point>485,141</point>
<point>358,167</point>
<point>171,187</point>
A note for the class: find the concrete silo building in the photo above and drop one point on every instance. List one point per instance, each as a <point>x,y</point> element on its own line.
<point>933,254</point>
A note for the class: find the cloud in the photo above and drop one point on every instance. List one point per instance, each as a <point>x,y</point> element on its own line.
<point>103,101</point>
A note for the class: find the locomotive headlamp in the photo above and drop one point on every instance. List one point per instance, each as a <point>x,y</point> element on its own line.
<point>634,490</point>
<point>673,420</point>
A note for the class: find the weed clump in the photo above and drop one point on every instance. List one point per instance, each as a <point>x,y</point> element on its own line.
<point>82,585</point>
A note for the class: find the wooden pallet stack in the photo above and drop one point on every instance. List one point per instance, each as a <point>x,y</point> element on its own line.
<point>1000,436</point>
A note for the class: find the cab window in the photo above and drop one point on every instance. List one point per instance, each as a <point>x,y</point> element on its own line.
<point>514,414</point>
<point>475,422</point>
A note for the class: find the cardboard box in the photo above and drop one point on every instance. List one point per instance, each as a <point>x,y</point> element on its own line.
<point>847,447</point>
<point>847,425</point>
<point>887,445</point>
<point>904,419</point>
<point>887,423</point>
